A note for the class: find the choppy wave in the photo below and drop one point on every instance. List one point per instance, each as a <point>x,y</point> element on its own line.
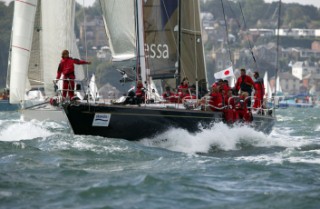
<point>221,137</point>
<point>19,130</point>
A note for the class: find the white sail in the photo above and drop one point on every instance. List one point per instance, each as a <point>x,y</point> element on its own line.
<point>35,75</point>
<point>57,35</point>
<point>119,20</point>
<point>93,89</point>
<point>268,93</point>
<point>41,30</point>
<point>22,33</point>
<point>278,86</point>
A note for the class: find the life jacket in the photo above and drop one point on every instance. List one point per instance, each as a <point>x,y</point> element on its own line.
<point>139,91</point>
<point>66,67</point>
<point>259,87</point>
<point>245,83</point>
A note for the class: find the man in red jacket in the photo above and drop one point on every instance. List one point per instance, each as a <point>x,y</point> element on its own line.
<point>66,70</point>
<point>245,84</point>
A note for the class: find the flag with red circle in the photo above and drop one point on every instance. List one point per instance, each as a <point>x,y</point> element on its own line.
<point>224,73</point>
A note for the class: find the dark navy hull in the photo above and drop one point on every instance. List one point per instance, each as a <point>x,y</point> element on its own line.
<point>135,123</point>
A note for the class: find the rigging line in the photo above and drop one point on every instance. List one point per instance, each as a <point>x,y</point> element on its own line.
<point>234,15</point>
<point>249,43</point>
<point>278,40</point>
<point>85,36</point>
<point>195,45</point>
<point>227,33</point>
<point>195,41</point>
<point>86,50</point>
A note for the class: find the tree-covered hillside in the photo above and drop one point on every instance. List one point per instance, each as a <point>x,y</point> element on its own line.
<point>259,14</point>
<point>5,32</point>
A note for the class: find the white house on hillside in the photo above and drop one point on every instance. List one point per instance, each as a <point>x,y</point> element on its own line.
<point>300,70</point>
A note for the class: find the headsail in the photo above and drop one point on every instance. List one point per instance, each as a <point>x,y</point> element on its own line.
<point>119,22</point>
<point>57,35</point>
<point>192,52</point>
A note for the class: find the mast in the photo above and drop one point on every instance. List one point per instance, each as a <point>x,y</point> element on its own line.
<point>178,77</point>
<point>140,42</point>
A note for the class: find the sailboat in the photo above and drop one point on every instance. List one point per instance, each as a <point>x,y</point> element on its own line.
<point>164,37</point>
<point>41,30</point>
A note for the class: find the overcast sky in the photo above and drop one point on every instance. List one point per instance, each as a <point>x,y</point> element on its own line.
<point>305,2</point>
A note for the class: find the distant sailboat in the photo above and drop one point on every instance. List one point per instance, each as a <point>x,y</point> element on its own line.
<point>41,30</point>
<point>278,89</point>
<point>268,92</point>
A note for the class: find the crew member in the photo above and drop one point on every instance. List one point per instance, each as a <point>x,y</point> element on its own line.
<point>259,91</point>
<point>66,72</point>
<point>183,89</point>
<point>168,95</point>
<point>215,102</point>
<point>245,84</point>
<point>140,93</point>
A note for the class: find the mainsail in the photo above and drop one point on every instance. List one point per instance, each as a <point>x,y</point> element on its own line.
<point>171,35</point>
<point>173,42</point>
<point>57,35</point>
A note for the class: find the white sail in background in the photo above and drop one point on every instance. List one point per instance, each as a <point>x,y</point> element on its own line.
<point>278,86</point>
<point>268,92</point>
<point>23,25</point>
<point>93,89</point>
<point>41,30</point>
<point>35,75</point>
<point>57,35</point>
<point>119,20</point>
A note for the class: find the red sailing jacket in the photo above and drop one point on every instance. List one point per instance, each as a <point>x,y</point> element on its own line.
<point>215,100</point>
<point>259,87</point>
<point>139,91</point>
<point>66,67</point>
<point>247,83</point>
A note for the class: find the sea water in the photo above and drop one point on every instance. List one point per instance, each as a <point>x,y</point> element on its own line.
<point>43,165</point>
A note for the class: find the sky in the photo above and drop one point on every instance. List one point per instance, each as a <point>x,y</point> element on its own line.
<point>305,2</point>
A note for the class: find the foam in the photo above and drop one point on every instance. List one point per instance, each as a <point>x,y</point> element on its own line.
<point>23,131</point>
<point>220,136</point>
